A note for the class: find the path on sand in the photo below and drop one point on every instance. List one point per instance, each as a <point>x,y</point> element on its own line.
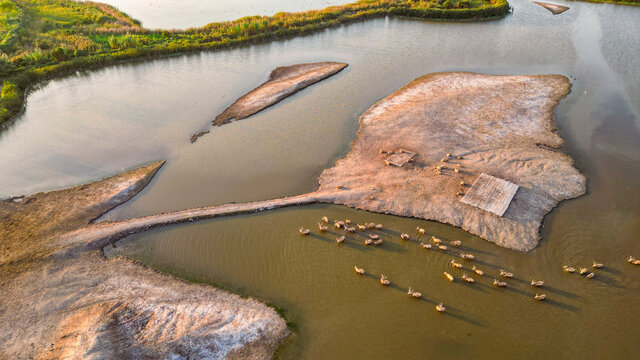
<point>498,125</point>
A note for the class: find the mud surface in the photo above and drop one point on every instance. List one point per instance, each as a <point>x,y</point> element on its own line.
<point>553,8</point>
<point>62,300</point>
<point>283,82</point>
<point>499,125</point>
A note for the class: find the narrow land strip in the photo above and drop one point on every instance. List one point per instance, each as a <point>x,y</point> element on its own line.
<point>283,82</point>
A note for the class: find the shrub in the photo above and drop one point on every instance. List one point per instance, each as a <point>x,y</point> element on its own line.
<point>59,54</point>
<point>6,67</point>
<point>8,91</point>
<point>127,41</point>
<point>43,44</point>
<point>10,96</point>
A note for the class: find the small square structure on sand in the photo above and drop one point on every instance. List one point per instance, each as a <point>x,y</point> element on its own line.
<point>400,158</point>
<point>490,194</point>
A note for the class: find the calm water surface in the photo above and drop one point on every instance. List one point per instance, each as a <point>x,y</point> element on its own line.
<point>96,123</point>
<point>182,14</point>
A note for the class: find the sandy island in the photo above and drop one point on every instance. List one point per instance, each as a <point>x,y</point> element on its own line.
<point>83,305</point>
<point>553,8</point>
<point>283,82</point>
<point>499,125</point>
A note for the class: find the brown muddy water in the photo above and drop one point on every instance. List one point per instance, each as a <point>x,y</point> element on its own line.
<point>96,123</point>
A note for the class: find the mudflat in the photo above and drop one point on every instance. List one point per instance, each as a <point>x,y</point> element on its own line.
<point>459,125</point>
<point>283,82</point>
<point>553,8</point>
<point>65,300</point>
<point>502,126</point>
<point>499,125</point>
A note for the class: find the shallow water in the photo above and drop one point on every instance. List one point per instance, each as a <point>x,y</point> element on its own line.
<point>172,14</point>
<point>96,123</point>
<point>340,314</point>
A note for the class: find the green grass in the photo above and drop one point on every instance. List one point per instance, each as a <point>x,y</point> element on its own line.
<point>44,38</point>
<point>9,23</point>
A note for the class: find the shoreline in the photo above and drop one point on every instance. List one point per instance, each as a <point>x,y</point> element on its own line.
<point>112,308</point>
<point>26,78</point>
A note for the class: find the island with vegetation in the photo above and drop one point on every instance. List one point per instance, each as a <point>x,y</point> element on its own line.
<point>45,38</point>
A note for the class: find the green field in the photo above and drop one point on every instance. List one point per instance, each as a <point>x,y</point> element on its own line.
<point>42,38</point>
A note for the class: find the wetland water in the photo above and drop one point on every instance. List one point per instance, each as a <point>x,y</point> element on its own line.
<point>96,123</point>
<point>172,14</point>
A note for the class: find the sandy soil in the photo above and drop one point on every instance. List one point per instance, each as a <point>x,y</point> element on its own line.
<point>553,8</point>
<point>500,125</point>
<point>61,300</point>
<point>283,82</point>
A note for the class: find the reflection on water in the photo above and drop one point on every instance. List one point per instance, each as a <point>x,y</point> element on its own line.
<point>172,14</point>
<point>96,123</point>
<point>340,314</point>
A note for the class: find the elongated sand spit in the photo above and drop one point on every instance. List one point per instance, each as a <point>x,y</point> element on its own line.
<point>553,8</point>
<point>283,82</point>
